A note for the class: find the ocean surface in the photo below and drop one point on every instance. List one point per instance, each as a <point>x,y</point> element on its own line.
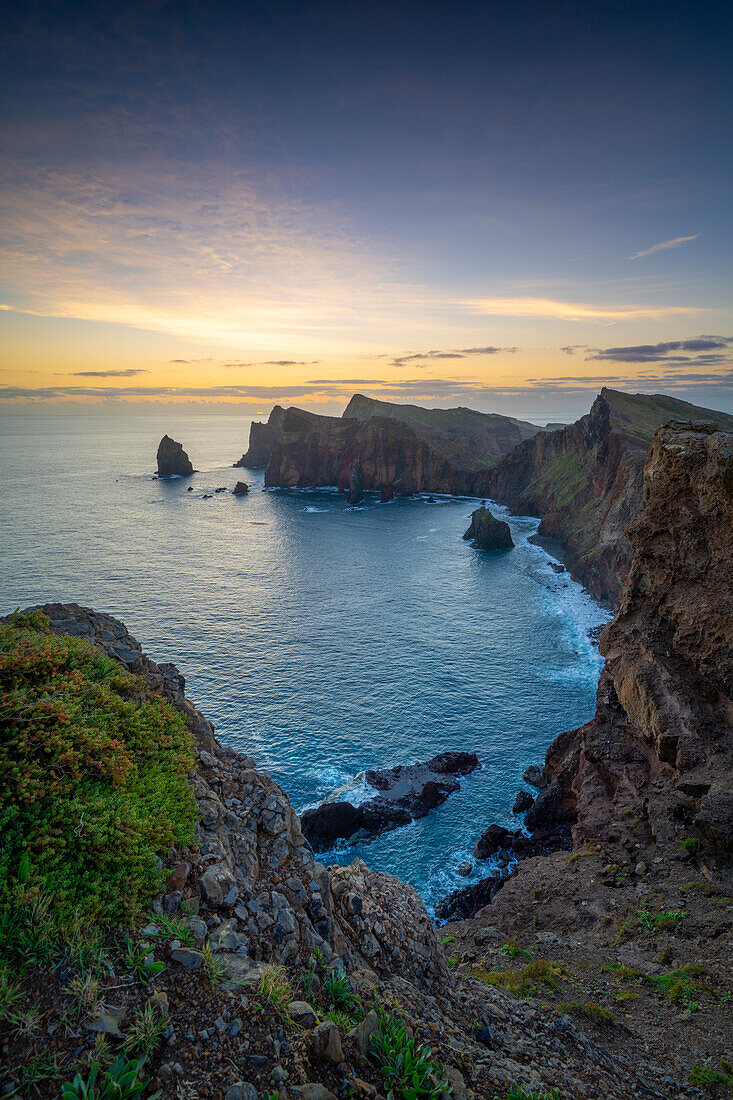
<point>320,639</point>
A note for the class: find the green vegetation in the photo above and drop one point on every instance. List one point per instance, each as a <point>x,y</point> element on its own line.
<point>588,1009</point>
<point>92,777</point>
<point>705,1078</point>
<point>529,980</point>
<point>146,1031</point>
<point>122,1081</point>
<point>341,999</point>
<point>173,928</point>
<point>407,1066</point>
<point>512,949</point>
<point>684,986</point>
<point>275,988</point>
<point>139,960</point>
<point>649,921</point>
<point>690,844</point>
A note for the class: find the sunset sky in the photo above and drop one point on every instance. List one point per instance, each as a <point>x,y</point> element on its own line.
<point>500,205</point>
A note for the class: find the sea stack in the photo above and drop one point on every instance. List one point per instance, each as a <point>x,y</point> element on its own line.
<point>240,488</point>
<point>172,459</point>
<point>487,532</point>
<point>356,484</point>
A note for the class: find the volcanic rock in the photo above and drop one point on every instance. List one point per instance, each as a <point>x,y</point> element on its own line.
<point>467,900</point>
<point>355,492</point>
<point>404,793</point>
<point>522,802</point>
<point>240,489</point>
<point>263,439</point>
<point>487,532</point>
<point>172,459</point>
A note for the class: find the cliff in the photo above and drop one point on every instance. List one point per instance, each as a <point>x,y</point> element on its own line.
<point>586,481</point>
<point>645,897</point>
<point>263,438</point>
<point>444,453</point>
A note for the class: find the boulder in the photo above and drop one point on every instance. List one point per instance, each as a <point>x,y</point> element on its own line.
<point>535,776</point>
<point>463,903</point>
<point>172,459</point>
<point>240,488</point>
<point>522,802</point>
<point>487,532</point>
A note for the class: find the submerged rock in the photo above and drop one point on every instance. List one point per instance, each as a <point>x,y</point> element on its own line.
<point>402,794</point>
<point>487,532</point>
<point>172,459</point>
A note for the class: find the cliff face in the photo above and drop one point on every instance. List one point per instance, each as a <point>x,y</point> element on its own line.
<point>586,481</point>
<point>318,450</point>
<point>263,438</point>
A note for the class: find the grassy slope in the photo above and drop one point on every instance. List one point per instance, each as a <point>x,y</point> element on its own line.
<point>638,415</point>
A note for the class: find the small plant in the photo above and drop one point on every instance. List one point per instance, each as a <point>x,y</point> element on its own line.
<point>445,940</point>
<point>690,844</point>
<point>39,1069</point>
<point>340,997</point>
<point>529,980</point>
<point>145,1033</point>
<point>705,1077</point>
<point>9,994</point>
<point>453,961</point>
<point>140,962</point>
<point>213,965</point>
<point>512,949</point>
<point>308,980</point>
<point>275,987</point>
<point>25,1023</point>
<point>588,1009</point>
<point>173,928</point>
<point>684,986</point>
<point>86,991</point>
<point>122,1081</point>
<point>407,1067</point>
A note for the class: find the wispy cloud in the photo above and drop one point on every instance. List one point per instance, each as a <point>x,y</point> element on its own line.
<point>571,311</point>
<point>653,353</point>
<point>459,353</point>
<point>275,363</point>
<point>675,242</point>
<point>128,372</point>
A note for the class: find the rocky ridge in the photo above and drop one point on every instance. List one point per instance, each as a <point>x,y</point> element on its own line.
<point>263,438</point>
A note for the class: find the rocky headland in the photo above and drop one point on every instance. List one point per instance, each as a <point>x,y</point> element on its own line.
<point>585,481</point>
<point>402,794</point>
<point>172,459</point>
<point>263,438</point>
<point>399,449</point>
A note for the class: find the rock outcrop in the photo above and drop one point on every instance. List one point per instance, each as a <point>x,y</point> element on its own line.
<point>355,492</point>
<point>586,481</point>
<point>434,450</point>
<point>240,489</point>
<point>402,794</point>
<point>263,438</point>
<point>172,459</point>
<point>487,532</point>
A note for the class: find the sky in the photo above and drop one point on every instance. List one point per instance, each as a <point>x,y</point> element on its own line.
<point>231,205</point>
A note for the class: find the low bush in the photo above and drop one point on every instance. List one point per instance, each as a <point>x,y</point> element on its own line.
<point>93,777</point>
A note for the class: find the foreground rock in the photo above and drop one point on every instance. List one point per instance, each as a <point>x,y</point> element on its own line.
<point>172,459</point>
<point>402,794</point>
<point>487,532</point>
<point>240,489</point>
<point>263,438</point>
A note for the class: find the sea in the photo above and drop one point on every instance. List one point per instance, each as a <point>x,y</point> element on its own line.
<point>320,639</point>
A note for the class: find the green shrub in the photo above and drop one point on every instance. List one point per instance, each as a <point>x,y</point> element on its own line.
<point>705,1078</point>
<point>690,844</point>
<point>93,776</point>
<point>529,980</point>
<point>407,1067</point>
<point>588,1009</point>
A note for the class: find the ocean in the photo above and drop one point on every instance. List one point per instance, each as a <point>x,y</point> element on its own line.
<point>320,639</point>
